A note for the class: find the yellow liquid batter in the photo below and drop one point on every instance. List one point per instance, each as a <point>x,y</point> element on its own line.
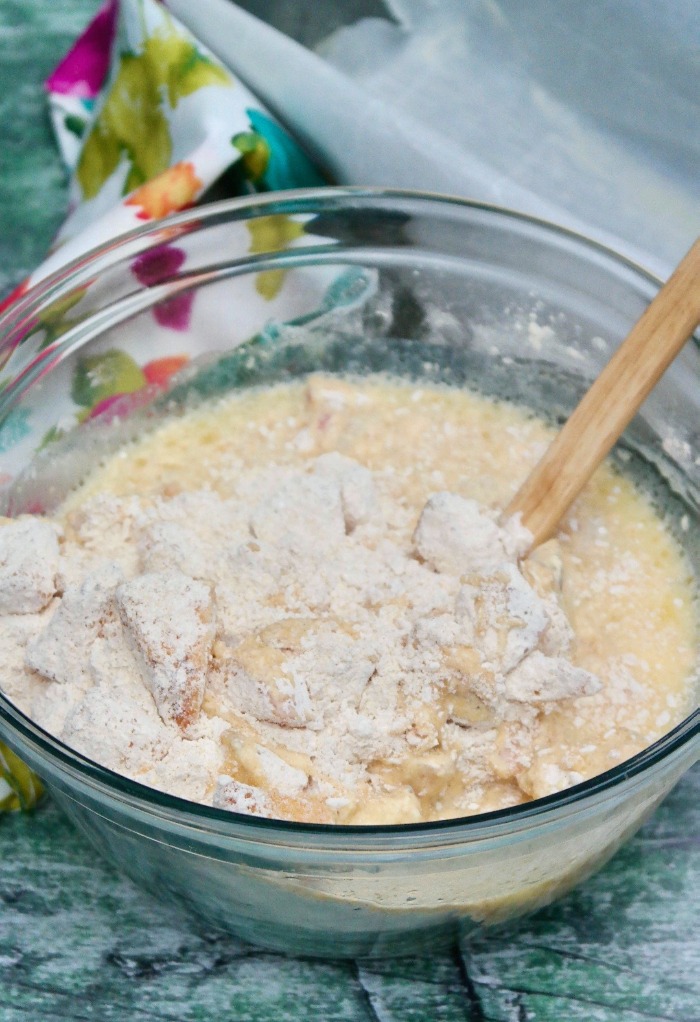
<point>626,587</point>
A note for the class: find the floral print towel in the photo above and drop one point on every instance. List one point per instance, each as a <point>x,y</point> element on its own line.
<point>147,121</point>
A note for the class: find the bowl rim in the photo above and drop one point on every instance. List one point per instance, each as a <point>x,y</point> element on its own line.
<point>110,252</point>
<point>180,810</point>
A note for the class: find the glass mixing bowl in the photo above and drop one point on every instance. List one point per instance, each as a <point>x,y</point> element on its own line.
<point>344,280</point>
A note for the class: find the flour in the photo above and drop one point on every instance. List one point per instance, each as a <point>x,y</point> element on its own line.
<point>167,617</point>
<point>455,535</point>
<point>28,565</point>
<point>240,798</point>
<point>316,629</point>
<point>61,652</point>
<point>303,638</point>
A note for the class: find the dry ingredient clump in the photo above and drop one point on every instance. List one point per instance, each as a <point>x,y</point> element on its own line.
<point>298,641</point>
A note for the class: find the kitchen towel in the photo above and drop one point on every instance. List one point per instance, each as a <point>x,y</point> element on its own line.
<point>148,122</point>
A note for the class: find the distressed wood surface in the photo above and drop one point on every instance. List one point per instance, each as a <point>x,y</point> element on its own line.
<point>78,942</point>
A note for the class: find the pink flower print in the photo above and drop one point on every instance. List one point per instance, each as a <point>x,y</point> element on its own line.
<point>175,312</point>
<point>156,267</point>
<point>158,264</point>
<point>121,406</point>
<point>83,70</point>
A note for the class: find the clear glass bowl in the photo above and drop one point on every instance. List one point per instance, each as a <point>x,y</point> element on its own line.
<point>340,280</point>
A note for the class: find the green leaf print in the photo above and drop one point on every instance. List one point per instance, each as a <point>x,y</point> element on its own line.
<point>272,234</point>
<point>50,437</point>
<point>286,165</point>
<point>25,787</point>
<point>55,319</point>
<point>76,125</point>
<point>178,65</point>
<point>132,124</point>
<point>255,154</point>
<point>101,376</point>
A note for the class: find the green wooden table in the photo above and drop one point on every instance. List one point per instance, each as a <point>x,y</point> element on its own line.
<point>78,942</point>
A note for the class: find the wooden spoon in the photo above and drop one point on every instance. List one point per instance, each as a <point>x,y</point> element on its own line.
<point>611,402</point>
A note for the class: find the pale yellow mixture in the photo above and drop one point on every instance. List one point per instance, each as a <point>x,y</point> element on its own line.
<point>619,576</point>
<point>301,602</point>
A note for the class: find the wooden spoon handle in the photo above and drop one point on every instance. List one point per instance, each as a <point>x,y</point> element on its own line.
<point>611,402</point>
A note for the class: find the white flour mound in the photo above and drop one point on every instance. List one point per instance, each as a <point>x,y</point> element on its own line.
<point>288,650</point>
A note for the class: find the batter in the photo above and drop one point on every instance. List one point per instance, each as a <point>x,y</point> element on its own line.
<point>300,602</point>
